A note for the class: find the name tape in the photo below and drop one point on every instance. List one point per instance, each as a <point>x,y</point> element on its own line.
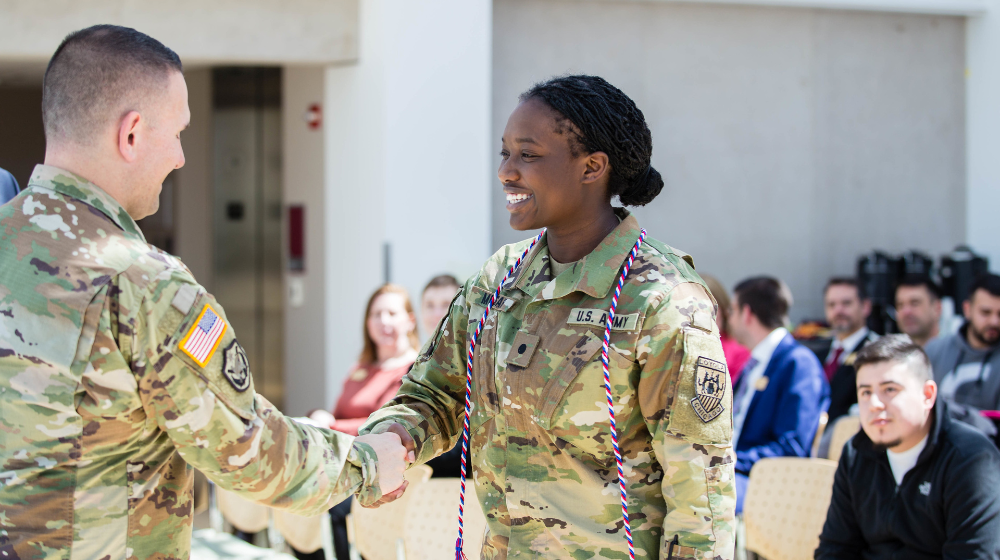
<point>599,318</point>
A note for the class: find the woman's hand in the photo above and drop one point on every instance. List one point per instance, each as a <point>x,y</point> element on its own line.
<point>322,417</point>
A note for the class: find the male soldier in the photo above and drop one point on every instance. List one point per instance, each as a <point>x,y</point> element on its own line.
<point>117,370</point>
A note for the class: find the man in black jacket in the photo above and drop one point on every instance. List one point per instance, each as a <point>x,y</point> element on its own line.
<point>913,483</point>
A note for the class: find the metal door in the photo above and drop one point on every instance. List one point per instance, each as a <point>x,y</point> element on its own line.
<point>247,217</point>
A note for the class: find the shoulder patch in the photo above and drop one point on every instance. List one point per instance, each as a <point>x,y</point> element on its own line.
<point>203,338</point>
<point>185,297</point>
<point>710,386</point>
<point>701,408</point>
<point>236,367</point>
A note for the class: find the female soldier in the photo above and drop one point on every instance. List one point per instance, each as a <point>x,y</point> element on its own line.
<point>541,450</point>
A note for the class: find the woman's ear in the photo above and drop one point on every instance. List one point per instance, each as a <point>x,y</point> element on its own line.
<point>596,166</point>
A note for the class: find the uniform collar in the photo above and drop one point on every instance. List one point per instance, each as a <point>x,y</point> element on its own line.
<point>75,186</point>
<point>593,275</point>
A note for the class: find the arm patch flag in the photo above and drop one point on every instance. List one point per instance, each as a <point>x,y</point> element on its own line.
<point>204,336</point>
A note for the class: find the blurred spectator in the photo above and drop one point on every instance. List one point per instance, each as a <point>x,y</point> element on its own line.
<point>918,308</point>
<point>435,301</point>
<point>782,391</point>
<point>913,483</point>
<point>390,348</point>
<point>966,363</point>
<point>736,354</point>
<point>434,304</point>
<point>8,186</point>
<point>847,308</point>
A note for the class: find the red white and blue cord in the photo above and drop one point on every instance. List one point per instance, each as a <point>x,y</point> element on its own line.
<point>459,554</point>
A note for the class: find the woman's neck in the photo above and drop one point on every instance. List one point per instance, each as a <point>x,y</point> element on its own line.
<point>390,356</point>
<point>573,242</point>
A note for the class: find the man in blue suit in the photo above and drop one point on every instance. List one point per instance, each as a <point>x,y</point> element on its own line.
<point>781,391</point>
<point>8,186</point>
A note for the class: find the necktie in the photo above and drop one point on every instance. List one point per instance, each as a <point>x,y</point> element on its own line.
<point>741,391</point>
<point>831,367</point>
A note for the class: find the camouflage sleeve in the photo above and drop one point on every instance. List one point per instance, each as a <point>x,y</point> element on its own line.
<point>195,384</point>
<point>432,399</point>
<point>686,401</point>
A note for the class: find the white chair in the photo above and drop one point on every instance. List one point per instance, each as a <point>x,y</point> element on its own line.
<point>431,527</point>
<point>785,506</point>
<point>305,534</point>
<point>373,533</point>
<point>843,429</point>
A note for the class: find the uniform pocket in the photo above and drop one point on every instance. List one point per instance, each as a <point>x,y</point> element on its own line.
<point>582,353</point>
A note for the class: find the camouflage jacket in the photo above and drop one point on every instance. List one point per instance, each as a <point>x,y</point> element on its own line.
<point>542,455</point>
<point>117,372</point>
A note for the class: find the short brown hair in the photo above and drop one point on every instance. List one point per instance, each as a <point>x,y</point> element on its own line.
<point>442,281</point>
<point>897,348</point>
<point>846,281</point>
<point>766,297</point>
<point>99,74</point>
<point>368,354</point>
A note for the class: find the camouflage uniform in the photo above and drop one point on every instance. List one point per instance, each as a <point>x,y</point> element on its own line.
<point>104,412</point>
<point>542,455</point>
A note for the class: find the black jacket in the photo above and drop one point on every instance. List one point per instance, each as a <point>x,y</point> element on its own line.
<point>843,392</point>
<point>948,505</point>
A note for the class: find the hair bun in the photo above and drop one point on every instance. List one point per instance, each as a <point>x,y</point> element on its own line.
<point>644,189</point>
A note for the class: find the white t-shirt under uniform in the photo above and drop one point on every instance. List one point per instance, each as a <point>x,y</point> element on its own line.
<point>902,462</point>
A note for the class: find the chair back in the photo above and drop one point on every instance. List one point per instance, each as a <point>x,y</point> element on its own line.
<point>304,534</point>
<point>785,506</point>
<point>247,516</point>
<point>432,533</point>
<point>843,429</point>
<point>375,531</point>
<point>824,419</point>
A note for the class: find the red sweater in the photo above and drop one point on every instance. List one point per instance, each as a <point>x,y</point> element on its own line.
<point>367,388</point>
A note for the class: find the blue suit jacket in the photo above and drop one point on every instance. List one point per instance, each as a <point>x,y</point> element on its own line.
<point>8,186</point>
<point>782,419</point>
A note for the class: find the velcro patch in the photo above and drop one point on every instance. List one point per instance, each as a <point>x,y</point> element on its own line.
<point>522,349</point>
<point>599,318</point>
<point>710,386</point>
<point>203,339</point>
<point>236,367</point>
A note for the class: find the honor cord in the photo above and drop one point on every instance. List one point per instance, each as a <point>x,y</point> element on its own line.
<point>459,555</point>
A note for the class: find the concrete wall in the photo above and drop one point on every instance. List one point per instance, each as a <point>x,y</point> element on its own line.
<point>303,180</point>
<point>790,140</point>
<point>983,125</point>
<point>407,158</point>
<point>193,233</point>
<point>247,31</point>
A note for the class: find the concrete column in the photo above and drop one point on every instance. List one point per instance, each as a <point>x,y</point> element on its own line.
<point>983,133</point>
<point>407,158</point>
<point>303,181</point>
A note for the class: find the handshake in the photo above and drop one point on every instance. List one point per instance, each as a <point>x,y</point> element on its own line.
<point>395,451</point>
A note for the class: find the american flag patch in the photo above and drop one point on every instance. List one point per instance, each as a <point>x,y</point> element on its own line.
<point>204,337</point>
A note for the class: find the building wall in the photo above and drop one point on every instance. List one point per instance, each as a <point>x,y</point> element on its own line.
<point>791,140</point>
<point>22,138</point>
<point>193,230</point>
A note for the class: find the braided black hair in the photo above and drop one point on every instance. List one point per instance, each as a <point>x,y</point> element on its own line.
<point>598,117</point>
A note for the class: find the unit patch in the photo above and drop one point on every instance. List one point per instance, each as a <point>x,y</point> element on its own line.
<point>236,367</point>
<point>710,386</point>
<point>599,318</point>
<point>204,337</point>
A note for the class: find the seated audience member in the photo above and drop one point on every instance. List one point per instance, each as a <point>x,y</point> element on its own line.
<point>781,393</point>
<point>913,483</point>
<point>847,308</point>
<point>736,354</point>
<point>435,302</point>
<point>390,348</point>
<point>967,363</point>
<point>918,308</point>
<point>8,186</point>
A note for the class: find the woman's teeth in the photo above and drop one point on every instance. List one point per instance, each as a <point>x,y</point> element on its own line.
<point>515,198</point>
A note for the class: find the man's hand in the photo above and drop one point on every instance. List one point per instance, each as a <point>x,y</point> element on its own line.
<point>398,435</point>
<point>393,458</point>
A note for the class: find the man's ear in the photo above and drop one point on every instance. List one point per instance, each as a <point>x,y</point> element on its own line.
<point>597,166</point>
<point>866,305</point>
<point>128,129</point>
<point>930,392</point>
<point>967,308</point>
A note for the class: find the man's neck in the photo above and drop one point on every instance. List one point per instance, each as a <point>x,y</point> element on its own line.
<point>79,161</point>
<point>842,336</point>
<point>914,439</point>
<point>758,334</point>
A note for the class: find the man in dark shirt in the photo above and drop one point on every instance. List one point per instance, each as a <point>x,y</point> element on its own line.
<point>913,483</point>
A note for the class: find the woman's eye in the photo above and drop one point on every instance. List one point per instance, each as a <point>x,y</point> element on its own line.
<point>526,155</point>
<point>504,154</point>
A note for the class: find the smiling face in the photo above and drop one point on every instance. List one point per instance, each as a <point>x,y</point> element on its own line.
<point>546,183</point>
<point>389,323</point>
<point>894,404</point>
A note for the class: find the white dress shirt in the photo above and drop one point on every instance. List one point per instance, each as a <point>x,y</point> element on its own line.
<point>848,344</point>
<point>901,463</point>
<point>762,354</point>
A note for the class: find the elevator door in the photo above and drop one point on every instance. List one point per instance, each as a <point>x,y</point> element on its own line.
<point>247,217</point>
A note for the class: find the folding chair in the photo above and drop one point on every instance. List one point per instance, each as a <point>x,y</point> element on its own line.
<point>431,528</point>
<point>373,533</point>
<point>843,429</point>
<point>305,534</point>
<point>785,506</point>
